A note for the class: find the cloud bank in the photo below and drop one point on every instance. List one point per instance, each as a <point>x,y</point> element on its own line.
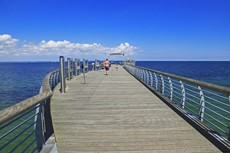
<point>10,46</point>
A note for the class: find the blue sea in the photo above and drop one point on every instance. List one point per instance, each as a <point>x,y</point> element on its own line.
<point>22,80</point>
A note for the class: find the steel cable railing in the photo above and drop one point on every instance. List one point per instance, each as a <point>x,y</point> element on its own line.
<point>207,102</point>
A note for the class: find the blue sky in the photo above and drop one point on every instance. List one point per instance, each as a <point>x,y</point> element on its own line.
<point>163,30</point>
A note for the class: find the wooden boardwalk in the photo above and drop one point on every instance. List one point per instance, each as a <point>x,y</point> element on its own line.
<point>116,113</point>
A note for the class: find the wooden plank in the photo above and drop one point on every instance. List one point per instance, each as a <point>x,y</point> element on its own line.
<point>116,113</point>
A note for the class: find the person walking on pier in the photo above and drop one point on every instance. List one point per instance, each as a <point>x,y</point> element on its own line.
<point>107,66</point>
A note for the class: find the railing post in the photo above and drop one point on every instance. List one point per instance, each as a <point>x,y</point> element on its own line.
<point>62,74</point>
<point>39,127</point>
<point>145,76</point>
<point>170,88</point>
<point>79,65</point>
<point>151,79</point>
<point>95,65</point>
<point>136,71</point>
<point>76,66</point>
<point>68,62</point>
<point>141,74</point>
<point>156,81</point>
<point>87,63</point>
<point>147,72</point>
<point>53,80</point>
<point>202,104</point>
<point>83,70</point>
<point>182,94</point>
<point>162,85</point>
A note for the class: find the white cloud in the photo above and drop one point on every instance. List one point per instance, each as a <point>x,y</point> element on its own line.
<point>7,41</point>
<point>8,45</point>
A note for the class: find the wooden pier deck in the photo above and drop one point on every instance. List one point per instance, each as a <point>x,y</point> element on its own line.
<point>116,113</point>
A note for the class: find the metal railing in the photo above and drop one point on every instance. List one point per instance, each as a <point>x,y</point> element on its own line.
<point>26,126</point>
<point>207,102</point>
<point>129,62</point>
<point>97,65</point>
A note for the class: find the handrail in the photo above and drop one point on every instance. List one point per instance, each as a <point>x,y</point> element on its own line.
<point>19,108</point>
<point>210,86</point>
<point>9,118</point>
<point>36,108</point>
<point>207,102</point>
<point>8,113</point>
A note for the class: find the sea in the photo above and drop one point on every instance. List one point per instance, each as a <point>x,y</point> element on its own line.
<point>22,80</point>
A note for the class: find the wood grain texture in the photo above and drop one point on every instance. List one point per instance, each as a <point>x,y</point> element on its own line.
<point>116,113</point>
<point>19,108</point>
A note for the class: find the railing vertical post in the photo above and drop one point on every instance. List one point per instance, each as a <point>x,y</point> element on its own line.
<point>202,104</point>
<point>140,73</point>
<point>59,77</point>
<point>95,65</point>
<point>83,70</point>
<point>69,67</point>
<point>162,85</point>
<point>136,71</point>
<point>79,65</point>
<point>151,79</point>
<point>53,80</point>
<point>170,88</point>
<point>144,76</point>
<point>87,62</point>
<point>39,127</point>
<point>147,72</point>
<point>156,81</point>
<point>182,94</point>
<point>62,74</point>
<point>56,78</point>
<point>75,66</point>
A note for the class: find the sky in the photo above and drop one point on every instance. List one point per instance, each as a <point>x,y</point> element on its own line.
<point>146,30</point>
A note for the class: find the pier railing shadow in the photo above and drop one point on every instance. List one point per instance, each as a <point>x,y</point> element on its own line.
<point>27,125</point>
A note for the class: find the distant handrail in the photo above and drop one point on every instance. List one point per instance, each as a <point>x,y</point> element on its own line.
<point>210,86</point>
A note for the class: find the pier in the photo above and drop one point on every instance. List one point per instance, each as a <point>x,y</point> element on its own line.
<point>117,113</point>
<point>133,109</point>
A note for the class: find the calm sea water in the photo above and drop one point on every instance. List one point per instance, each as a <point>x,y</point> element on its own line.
<point>19,81</point>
